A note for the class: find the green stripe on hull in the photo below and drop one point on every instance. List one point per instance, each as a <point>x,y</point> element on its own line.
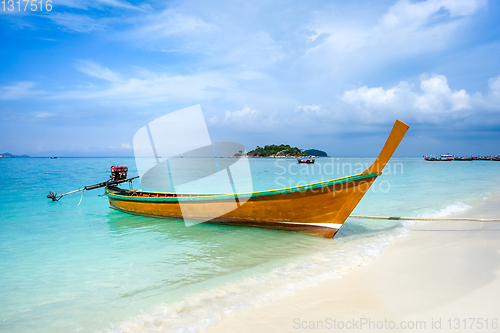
<point>242,195</point>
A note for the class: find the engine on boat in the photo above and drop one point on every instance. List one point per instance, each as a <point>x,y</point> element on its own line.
<point>118,173</point>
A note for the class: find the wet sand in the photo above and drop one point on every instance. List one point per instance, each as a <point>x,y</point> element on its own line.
<point>444,277</point>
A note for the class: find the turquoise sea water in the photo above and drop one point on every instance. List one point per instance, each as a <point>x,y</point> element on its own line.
<point>89,268</point>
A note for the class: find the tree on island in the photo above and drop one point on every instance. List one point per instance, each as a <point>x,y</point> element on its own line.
<point>282,150</point>
<point>315,152</point>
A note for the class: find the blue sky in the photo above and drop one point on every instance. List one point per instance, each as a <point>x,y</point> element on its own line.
<point>81,79</point>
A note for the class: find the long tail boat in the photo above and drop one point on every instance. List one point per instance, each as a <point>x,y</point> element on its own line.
<point>446,157</point>
<point>318,209</point>
<point>305,160</point>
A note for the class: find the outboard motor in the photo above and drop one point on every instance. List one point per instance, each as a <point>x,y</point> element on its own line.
<point>118,176</point>
<point>118,173</point>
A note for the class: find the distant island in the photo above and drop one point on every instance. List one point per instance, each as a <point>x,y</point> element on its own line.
<point>282,151</point>
<point>9,155</point>
<point>315,152</point>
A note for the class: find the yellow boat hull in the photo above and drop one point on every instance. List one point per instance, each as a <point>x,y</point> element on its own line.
<point>318,209</point>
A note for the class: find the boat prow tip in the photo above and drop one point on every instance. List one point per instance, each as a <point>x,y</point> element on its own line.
<point>397,133</point>
<point>402,123</point>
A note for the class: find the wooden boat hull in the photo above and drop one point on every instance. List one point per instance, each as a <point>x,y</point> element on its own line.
<point>318,209</point>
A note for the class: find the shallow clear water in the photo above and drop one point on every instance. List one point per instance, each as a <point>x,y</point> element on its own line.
<point>65,267</point>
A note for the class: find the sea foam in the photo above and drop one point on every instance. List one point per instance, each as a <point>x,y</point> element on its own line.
<point>447,211</point>
<point>199,311</point>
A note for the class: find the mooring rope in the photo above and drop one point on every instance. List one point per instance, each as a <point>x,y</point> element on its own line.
<point>422,218</point>
<point>81,198</point>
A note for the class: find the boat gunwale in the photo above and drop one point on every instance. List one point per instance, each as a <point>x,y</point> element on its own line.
<point>223,196</point>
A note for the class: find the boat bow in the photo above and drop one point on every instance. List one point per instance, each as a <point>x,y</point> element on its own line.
<point>318,209</point>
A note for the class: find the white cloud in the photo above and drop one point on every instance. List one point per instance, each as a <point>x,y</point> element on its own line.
<point>491,100</point>
<point>126,146</point>
<point>435,102</point>
<point>405,30</point>
<point>169,23</point>
<point>76,22</point>
<point>219,36</point>
<point>240,52</point>
<point>95,70</point>
<point>243,116</point>
<point>42,115</point>
<point>22,89</point>
<point>237,56</point>
<point>365,98</point>
<point>494,87</point>
<point>151,87</point>
<point>415,15</point>
<point>310,110</point>
<point>250,119</point>
<point>438,97</point>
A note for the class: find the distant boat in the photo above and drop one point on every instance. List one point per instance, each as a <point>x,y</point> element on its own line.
<point>445,157</point>
<point>318,209</point>
<point>488,158</point>
<point>463,158</point>
<point>53,157</point>
<point>305,160</point>
<point>449,157</point>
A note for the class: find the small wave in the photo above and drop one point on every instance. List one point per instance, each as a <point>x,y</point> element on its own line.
<point>200,310</point>
<point>447,211</point>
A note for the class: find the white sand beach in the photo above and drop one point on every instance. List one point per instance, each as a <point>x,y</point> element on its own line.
<point>444,277</point>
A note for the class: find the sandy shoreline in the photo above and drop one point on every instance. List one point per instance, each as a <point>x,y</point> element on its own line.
<point>444,277</point>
